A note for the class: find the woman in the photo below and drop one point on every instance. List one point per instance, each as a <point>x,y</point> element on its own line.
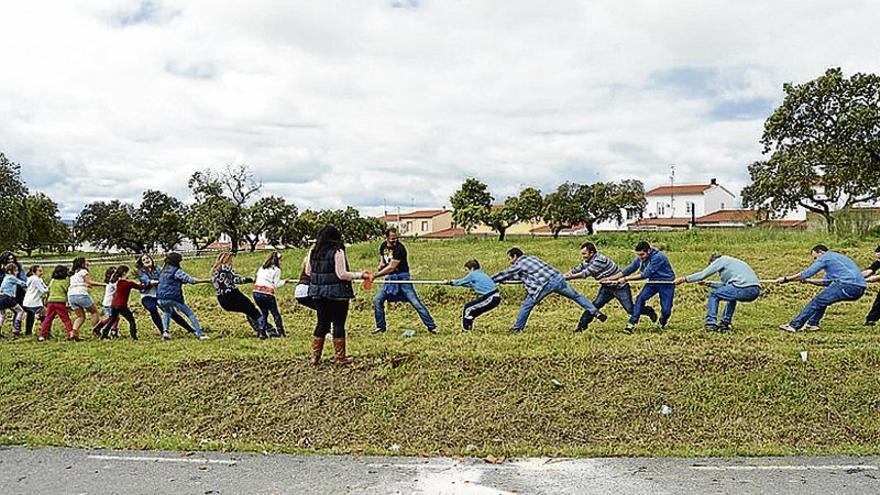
<point>172,278</point>
<point>267,281</point>
<point>78,295</point>
<point>6,258</point>
<point>230,298</point>
<point>148,274</point>
<point>330,288</point>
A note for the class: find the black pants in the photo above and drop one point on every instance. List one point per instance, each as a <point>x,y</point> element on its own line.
<point>307,302</point>
<point>30,315</point>
<point>478,306</point>
<point>331,312</point>
<point>874,315</point>
<point>113,319</point>
<point>237,302</point>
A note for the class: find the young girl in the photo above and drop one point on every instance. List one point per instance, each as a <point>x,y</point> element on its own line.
<point>33,297</point>
<point>230,297</point>
<point>56,305</point>
<point>8,289</point>
<point>109,290</point>
<point>119,304</point>
<point>301,291</point>
<point>6,258</point>
<point>170,295</point>
<point>149,278</point>
<point>78,295</point>
<point>268,280</point>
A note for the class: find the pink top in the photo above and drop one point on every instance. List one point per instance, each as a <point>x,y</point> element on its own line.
<point>341,272</point>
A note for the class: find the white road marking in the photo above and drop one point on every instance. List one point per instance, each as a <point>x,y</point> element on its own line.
<point>161,459</point>
<point>803,467</point>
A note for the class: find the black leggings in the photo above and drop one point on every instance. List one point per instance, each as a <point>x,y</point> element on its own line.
<point>874,315</point>
<point>237,302</point>
<point>113,319</point>
<point>30,315</point>
<point>331,312</point>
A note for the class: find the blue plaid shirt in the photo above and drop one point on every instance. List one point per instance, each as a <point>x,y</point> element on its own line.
<point>533,272</point>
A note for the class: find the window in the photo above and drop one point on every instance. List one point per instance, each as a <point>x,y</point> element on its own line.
<point>722,206</point>
<point>661,209</point>
<point>409,227</point>
<point>632,214</point>
<point>424,225</point>
<point>689,207</point>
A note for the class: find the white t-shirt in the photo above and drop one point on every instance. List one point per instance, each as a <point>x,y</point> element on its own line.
<point>268,279</point>
<point>36,288</point>
<point>78,285</point>
<point>109,290</point>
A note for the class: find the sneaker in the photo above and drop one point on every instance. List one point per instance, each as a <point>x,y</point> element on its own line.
<point>41,338</point>
<point>166,335</point>
<point>580,329</point>
<point>724,327</point>
<point>601,317</point>
<point>377,331</point>
<point>202,336</point>
<point>514,330</point>
<point>711,328</point>
<point>788,328</point>
<point>812,328</point>
<point>869,323</point>
<point>629,329</point>
<point>433,331</point>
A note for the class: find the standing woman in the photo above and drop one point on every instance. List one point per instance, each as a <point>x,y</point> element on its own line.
<point>330,287</point>
<point>78,295</point>
<point>149,277</point>
<point>6,258</point>
<point>268,280</point>
<point>230,298</point>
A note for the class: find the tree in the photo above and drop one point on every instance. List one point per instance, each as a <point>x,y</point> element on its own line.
<point>353,227</point>
<point>202,224</point>
<point>161,220</point>
<point>500,217</point>
<point>530,205</point>
<point>231,190</point>
<point>12,203</point>
<point>110,225</point>
<point>823,144</point>
<point>604,201</point>
<point>303,229</point>
<point>268,217</point>
<point>42,224</point>
<point>562,208</point>
<point>470,204</point>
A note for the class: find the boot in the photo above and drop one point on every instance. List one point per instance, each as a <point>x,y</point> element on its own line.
<point>339,347</point>
<point>317,349</point>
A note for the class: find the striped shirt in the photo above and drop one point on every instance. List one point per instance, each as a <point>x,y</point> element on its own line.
<point>598,267</point>
<point>534,273</point>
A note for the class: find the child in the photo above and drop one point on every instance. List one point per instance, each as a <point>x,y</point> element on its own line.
<point>109,290</point>
<point>33,297</point>
<point>148,274</point>
<point>78,294</point>
<point>119,304</point>
<point>170,295</point>
<point>488,297</point>
<point>8,289</point>
<point>56,305</point>
<point>231,298</point>
<point>268,280</point>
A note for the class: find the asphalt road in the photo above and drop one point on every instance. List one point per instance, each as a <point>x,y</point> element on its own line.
<point>75,471</point>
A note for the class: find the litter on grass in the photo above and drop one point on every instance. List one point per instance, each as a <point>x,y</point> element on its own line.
<point>665,410</point>
<point>804,356</point>
<point>409,333</point>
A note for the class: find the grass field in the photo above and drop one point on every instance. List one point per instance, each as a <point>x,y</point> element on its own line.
<point>487,392</point>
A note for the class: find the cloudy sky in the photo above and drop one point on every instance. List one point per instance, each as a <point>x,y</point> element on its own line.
<point>396,101</point>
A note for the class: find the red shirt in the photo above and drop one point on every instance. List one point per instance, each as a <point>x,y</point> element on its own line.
<point>123,290</point>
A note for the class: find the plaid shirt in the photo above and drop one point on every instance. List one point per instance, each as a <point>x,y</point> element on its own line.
<point>533,272</point>
<point>599,267</point>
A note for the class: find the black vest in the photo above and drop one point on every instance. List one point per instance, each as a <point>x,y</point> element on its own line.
<point>323,281</point>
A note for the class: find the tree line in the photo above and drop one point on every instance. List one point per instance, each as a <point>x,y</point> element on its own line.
<point>570,205</point>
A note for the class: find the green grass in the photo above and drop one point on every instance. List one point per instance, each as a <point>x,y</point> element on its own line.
<point>744,393</point>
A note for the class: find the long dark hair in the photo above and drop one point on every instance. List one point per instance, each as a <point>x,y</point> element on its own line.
<point>79,263</point>
<point>60,272</point>
<point>119,273</point>
<point>140,263</point>
<point>173,259</point>
<point>328,239</point>
<point>274,259</point>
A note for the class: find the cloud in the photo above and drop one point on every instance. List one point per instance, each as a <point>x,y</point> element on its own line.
<point>396,102</point>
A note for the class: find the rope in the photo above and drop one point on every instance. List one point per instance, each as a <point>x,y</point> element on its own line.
<point>583,280</point>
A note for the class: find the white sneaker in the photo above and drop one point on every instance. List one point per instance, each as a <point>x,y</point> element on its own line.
<point>202,336</point>
<point>812,328</point>
<point>788,328</point>
<point>166,335</point>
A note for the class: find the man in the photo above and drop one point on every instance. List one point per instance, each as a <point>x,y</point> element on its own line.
<point>873,275</point>
<point>540,280</point>
<point>393,265</point>
<point>653,266</point>
<point>843,282</point>
<point>599,266</point>
<point>738,283</point>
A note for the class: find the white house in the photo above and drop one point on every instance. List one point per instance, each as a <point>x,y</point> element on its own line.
<point>687,201</point>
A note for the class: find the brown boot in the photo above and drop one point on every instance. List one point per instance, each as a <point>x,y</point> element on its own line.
<point>339,347</point>
<point>317,349</point>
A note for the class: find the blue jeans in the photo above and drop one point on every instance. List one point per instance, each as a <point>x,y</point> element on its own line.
<point>556,285</point>
<point>268,304</point>
<point>169,307</point>
<point>732,294</point>
<point>606,294</point>
<point>667,297</point>
<point>834,293</point>
<point>410,293</point>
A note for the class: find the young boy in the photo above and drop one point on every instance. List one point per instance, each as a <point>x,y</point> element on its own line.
<point>488,297</point>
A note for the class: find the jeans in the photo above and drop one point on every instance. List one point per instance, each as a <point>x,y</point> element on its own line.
<point>168,307</point>
<point>151,304</point>
<point>410,292</point>
<point>667,297</point>
<point>605,295</point>
<point>732,294</point>
<point>29,318</point>
<point>268,304</point>
<point>834,293</point>
<point>112,321</point>
<point>556,285</point>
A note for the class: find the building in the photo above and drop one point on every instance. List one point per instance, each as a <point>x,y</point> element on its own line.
<point>688,201</point>
<point>420,222</point>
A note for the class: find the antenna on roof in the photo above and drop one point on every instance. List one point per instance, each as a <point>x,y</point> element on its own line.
<point>672,191</point>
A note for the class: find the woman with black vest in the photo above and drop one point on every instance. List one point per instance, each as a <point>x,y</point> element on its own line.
<point>330,289</point>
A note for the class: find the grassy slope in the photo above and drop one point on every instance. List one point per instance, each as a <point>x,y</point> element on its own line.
<point>744,393</point>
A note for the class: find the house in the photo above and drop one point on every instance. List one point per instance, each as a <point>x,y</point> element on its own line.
<point>420,222</point>
<point>727,218</point>
<point>688,201</point>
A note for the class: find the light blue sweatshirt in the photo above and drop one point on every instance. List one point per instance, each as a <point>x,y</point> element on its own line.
<point>838,268</point>
<point>478,281</point>
<point>730,270</point>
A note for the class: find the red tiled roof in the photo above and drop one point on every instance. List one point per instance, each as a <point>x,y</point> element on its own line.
<point>687,189</point>
<point>545,229</point>
<point>789,224</point>
<point>393,217</point>
<point>734,215</point>
<point>662,222</point>
<point>444,234</point>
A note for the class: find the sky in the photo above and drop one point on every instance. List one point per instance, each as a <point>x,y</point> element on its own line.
<point>395,102</point>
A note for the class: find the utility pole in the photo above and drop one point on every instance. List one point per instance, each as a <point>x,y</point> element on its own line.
<point>672,191</point>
